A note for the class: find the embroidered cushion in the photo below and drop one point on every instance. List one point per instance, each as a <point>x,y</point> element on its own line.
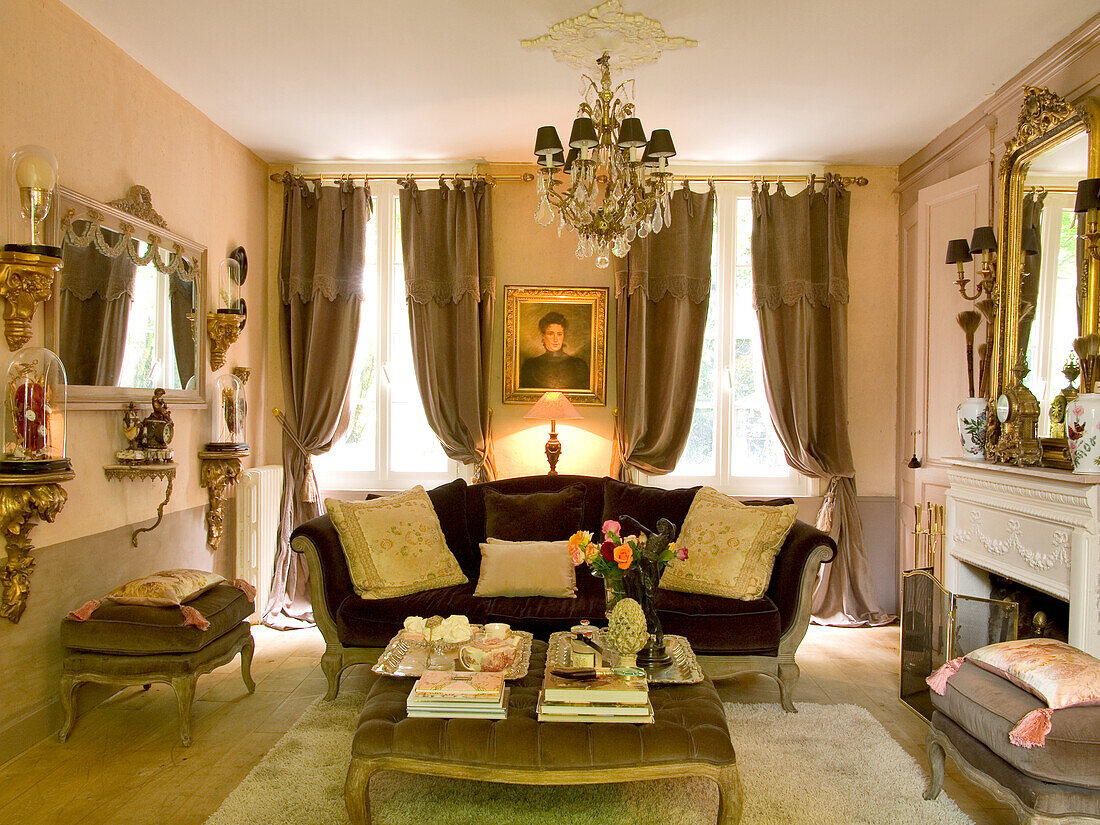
<point>526,568</point>
<point>167,588</point>
<point>1058,674</point>
<point>394,545</point>
<point>731,546</point>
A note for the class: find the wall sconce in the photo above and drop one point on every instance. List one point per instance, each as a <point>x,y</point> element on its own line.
<point>553,406</point>
<point>959,252</point>
<point>223,327</point>
<point>28,267</point>
<point>1088,202</point>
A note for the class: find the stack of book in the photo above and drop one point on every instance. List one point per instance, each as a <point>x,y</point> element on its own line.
<point>607,698</point>
<point>449,694</point>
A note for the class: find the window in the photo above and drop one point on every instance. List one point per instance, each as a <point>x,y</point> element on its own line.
<point>389,444</point>
<point>732,445</point>
<point>150,357</point>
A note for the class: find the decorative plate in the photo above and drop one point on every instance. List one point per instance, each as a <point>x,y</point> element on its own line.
<point>241,258</point>
<point>404,657</point>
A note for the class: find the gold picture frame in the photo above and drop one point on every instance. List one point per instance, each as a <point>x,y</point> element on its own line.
<point>555,338</point>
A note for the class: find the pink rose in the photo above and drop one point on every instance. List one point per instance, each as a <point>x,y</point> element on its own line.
<point>612,526</point>
<point>682,553</point>
<point>1078,410</point>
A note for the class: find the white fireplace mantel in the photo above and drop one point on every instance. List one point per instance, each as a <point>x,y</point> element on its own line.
<point>1034,525</point>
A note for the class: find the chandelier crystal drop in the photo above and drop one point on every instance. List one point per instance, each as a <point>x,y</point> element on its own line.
<point>614,186</point>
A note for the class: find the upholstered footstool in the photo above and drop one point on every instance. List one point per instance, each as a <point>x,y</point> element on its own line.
<point>1058,782</point>
<point>121,644</point>
<point>689,737</point>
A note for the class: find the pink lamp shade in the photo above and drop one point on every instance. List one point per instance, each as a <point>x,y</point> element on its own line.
<point>553,406</point>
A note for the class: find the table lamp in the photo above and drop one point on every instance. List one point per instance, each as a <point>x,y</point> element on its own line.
<point>553,405</point>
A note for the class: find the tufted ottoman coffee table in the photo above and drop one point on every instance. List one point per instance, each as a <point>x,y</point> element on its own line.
<point>689,737</point>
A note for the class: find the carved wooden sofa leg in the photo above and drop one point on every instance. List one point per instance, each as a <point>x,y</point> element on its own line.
<point>787,676</point>
<point>935,765</point>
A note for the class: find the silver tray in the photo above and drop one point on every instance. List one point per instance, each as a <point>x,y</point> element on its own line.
<point>409,658</point>
<point>683,670</point>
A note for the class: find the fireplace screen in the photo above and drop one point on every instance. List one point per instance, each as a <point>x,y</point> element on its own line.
<point>937,625</point>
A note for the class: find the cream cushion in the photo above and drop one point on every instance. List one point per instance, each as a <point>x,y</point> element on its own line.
<point>731,546</point>
<point>526,568</point>
<point>394,545</point>
<point>1060,675</point>
<point>167,588</point>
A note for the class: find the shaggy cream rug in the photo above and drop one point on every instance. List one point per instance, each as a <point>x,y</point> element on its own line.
<point>827,763</point>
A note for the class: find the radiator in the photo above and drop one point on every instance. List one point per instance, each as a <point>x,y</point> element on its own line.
<point>259,494</point>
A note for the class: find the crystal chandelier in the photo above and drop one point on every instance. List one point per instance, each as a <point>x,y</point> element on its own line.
<point>617,186</point>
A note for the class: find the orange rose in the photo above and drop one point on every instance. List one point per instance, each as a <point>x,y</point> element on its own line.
<point>624,556</point>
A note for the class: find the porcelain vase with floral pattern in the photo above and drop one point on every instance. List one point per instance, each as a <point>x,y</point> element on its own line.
<point>1083,431</point>
<point>971,417</point>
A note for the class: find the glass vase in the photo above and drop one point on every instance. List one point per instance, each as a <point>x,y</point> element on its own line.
<point>613,592</point>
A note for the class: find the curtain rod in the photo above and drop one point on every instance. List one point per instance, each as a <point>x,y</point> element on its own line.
<point>530,176</point>
<point>1060,190</point>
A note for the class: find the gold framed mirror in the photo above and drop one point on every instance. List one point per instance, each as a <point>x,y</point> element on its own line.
<point>122,318</point>
<point>1048,288</point>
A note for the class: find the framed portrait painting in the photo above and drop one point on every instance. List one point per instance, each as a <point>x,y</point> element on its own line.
<point>555,338</point>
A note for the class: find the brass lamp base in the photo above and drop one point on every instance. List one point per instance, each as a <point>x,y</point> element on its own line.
<point>553,451</point>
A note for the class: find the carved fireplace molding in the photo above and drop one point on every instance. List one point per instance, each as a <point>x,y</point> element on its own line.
<point>1036,526</point>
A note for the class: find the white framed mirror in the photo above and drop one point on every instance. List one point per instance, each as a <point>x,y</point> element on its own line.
<point>123,317</point>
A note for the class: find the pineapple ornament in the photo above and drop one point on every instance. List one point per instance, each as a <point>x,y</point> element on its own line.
<point>626,632</point>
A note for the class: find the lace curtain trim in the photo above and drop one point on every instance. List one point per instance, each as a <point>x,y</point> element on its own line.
<point>328,285</point>
<point>681,287</point>
<point>424,291</point>
<point>791,293</point>
<point>126,244</point>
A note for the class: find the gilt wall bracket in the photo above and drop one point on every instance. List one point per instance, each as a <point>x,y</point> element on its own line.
<point>219,471</point>
<point>23,501</point>
<point>26,280</point>
<point>151,472</point>
<point>223,329</point>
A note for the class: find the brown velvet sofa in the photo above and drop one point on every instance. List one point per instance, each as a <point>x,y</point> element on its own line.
<point>735,636</point>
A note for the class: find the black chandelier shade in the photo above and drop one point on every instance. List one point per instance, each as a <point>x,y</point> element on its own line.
<point>958,252</point>
<point>631,133</point>
<point>547,141</point>
<point>660,144</point>
<point>1088,195</point>
<point>984,240</point>
<point>584,134</point>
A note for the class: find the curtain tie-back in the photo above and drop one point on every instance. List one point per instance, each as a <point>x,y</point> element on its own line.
<point>308,490</point>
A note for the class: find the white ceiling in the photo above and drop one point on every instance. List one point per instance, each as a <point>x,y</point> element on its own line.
<point>842,81</point>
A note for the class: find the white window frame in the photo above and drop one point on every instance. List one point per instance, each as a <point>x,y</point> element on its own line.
<point>331,477</point>
<point>725,478</point>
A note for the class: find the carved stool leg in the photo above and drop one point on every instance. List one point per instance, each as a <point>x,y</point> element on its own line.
<point>184,687</point>
<point>787,674</point>
<point>69,684</point>
<point>332,663</point>
<point>935,766</point>
<point>357,790</point>
<point>246,664</point>
<point>729,796</point>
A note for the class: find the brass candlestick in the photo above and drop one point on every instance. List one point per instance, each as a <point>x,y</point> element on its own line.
<point>928,533</point>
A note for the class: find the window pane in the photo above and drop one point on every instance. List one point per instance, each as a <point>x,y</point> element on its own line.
<point>413,446</point>
<point>142,366</point>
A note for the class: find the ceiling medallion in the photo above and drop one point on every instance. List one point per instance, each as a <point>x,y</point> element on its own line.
<point>616,184</point>
<point>634,39</point>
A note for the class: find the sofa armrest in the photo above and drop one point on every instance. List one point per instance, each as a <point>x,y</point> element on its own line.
<point>329,577</point>
<point>804,550</point>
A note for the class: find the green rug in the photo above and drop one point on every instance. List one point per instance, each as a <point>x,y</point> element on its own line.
<point>825,764</point>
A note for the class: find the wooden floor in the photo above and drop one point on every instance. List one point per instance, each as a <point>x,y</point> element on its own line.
<point>123,764</point>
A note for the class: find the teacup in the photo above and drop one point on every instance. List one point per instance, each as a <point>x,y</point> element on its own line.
<point>473,657</point>
<point>496,630</point>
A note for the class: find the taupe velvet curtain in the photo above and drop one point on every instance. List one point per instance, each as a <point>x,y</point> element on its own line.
<point>181,303</point>
<point>800,292</point>
<point>446,240</point>
<point>1031,217</point>
<point>321,281</point>
<point>96,294</point>
<point>662,291</point>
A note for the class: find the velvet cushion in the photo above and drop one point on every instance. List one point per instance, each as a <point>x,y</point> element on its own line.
<point>731,546</point>
<point>535,516</point>
<point>168,588</point>
<point>449,502</point>
<point>138,630</point>
<point>988,707</point>
<point>647,505</point>
<point>717,625</point>
<point>162,664</point>
<point>394,545</point>
<point>526,568</point>
<point>689,726</point>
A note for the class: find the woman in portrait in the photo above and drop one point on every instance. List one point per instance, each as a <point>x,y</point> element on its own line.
<point>554,369</point>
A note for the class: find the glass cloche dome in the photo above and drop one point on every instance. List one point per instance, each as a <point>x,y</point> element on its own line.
<point>229,410</point>
<point>35,410</point>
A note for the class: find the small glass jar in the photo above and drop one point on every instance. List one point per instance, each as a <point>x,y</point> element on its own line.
<point>35,408</point>
<point>229,288</point>
<point>227,430</point>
